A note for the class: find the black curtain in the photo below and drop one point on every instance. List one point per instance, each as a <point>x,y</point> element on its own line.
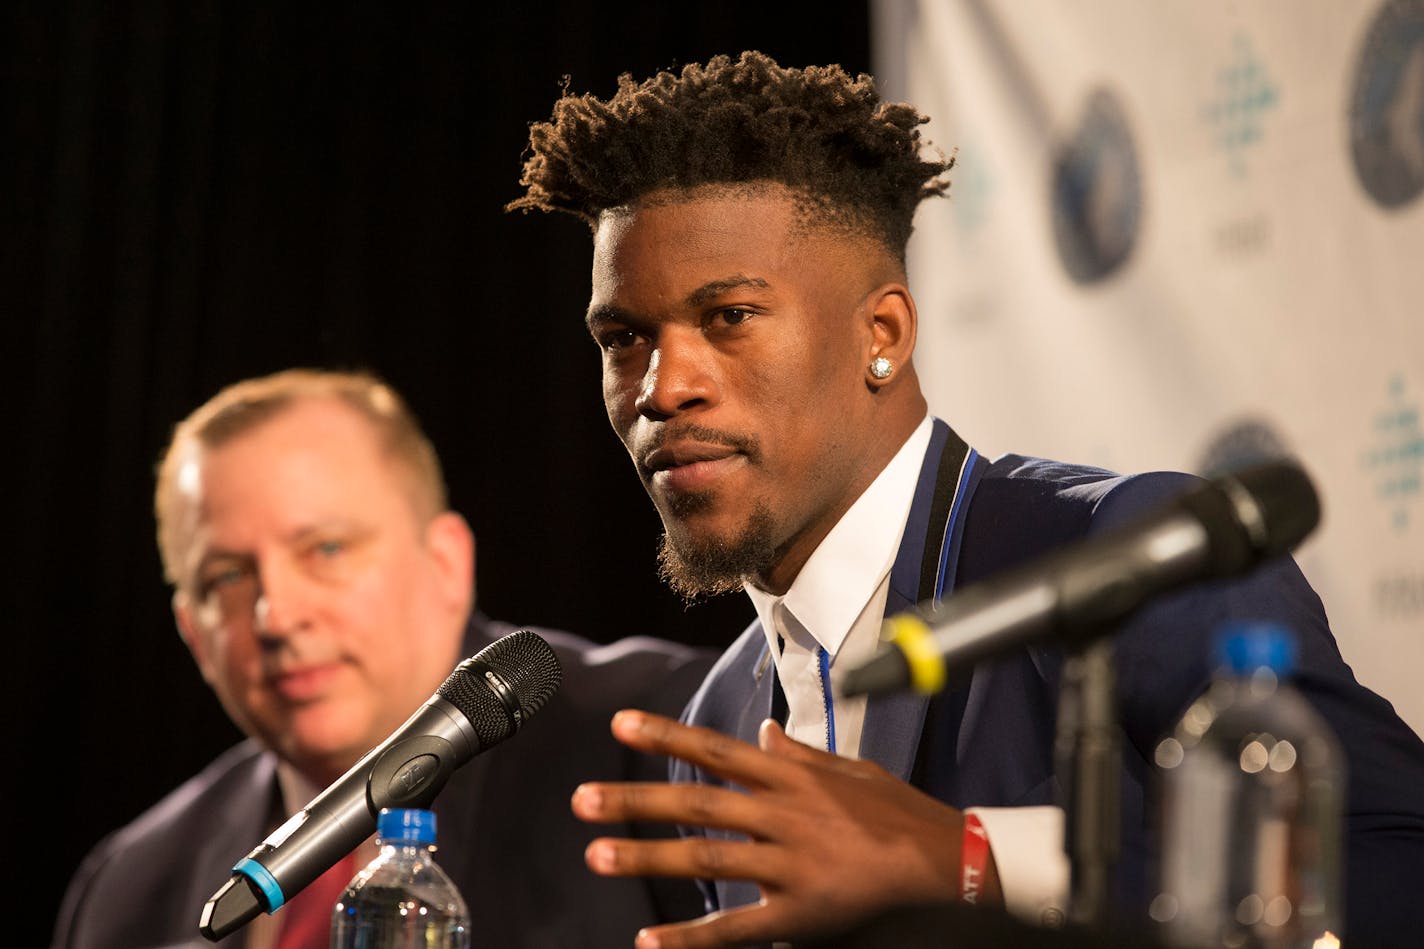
<point>198,192</point>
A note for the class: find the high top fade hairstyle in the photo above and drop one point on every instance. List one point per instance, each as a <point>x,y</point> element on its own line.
<point>854,160</point>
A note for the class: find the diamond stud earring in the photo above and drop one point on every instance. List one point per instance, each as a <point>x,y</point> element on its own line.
<point>880,367</point>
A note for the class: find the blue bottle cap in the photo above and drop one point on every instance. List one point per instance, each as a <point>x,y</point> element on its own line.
<point>1243,647</point>
<point>406,824</point>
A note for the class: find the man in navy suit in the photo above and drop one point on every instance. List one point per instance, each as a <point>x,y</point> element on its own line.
<point>750,302</point>
<point>325,591</point>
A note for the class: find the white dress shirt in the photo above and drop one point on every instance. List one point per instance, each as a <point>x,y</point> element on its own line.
<point>829,621</point>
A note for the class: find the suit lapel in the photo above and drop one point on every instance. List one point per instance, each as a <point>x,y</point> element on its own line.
<point>251,811</point>
<point>924,569</point>
<point>740,712</point>
<point>764,697</point>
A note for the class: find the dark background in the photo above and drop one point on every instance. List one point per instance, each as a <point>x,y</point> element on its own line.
<point>198,192</point>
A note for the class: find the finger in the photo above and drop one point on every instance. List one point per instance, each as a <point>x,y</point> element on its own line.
<point>696,858</point>
<point>692,805</point>
<point>773,740</point>
<point>710,750</point>
<point>728,927</point>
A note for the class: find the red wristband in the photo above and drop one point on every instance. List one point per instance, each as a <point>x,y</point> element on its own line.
<point>974,856</point>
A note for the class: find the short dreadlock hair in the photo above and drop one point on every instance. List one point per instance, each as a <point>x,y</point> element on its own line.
<point>816,130</point>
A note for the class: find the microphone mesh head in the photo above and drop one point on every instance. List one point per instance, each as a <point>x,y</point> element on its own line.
<point>1283,500</point>
<point>524,663</point>
<point>1253,514</point>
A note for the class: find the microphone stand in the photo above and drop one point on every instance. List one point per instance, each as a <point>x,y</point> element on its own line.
<point>1088,757</point>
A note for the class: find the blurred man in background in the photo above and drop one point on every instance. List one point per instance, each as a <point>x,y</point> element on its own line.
<point>325,591</point>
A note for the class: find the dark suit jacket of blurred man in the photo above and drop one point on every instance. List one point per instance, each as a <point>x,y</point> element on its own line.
<point>506,834</point>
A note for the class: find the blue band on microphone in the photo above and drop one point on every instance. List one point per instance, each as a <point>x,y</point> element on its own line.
<point>266,882</point>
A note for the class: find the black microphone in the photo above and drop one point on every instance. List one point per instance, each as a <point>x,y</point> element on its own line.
<point>1219,528</point>
<point>484,701</point>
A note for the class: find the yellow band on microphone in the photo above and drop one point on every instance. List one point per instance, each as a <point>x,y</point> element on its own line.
<point>913,638</point>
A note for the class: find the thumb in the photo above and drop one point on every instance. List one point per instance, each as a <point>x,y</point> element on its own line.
<point>771,736</point>
<point>772,739</point>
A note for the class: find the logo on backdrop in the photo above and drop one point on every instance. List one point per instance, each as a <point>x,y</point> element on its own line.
<point>1245,94</point>
<point>1396,459</point>
<point>1244,441</point>
<point>1097,192</point>
<point>1387,105</point>
<point>970,192</point>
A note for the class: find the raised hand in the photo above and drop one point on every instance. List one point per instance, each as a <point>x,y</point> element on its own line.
<point>829,840</point>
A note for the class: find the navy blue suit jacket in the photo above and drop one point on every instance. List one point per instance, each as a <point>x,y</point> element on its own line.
<point>507,836</point>
<point>989,740</point>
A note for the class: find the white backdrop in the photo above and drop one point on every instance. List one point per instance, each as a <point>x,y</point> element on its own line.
<point>1182,234</point>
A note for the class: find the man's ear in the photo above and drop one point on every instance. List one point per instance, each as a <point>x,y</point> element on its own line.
<point>451,545</point>
<point>893,324</point>
<point>188,630</point>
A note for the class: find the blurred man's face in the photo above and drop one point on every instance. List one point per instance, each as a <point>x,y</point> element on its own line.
<point>318,605</point>
<point>735,345</point>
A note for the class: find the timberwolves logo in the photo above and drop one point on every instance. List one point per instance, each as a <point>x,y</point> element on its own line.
<point>1247,441</point>
<point>970,195</point>
<point>1387,107</point>
<point>1245,95</point>
<point>1097,192</point>
<point>1396,459</point>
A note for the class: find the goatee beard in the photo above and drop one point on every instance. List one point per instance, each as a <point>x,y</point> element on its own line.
<point>698,569</point>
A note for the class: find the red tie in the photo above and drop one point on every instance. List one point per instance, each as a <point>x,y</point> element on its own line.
<point>306,919</point>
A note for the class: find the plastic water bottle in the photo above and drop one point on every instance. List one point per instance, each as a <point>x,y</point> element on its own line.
<point>402,899</point>
<point>1252,804</point>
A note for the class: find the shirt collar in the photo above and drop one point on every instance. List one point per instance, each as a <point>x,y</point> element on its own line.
<point>843,573</point>
<point>296,790</point>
